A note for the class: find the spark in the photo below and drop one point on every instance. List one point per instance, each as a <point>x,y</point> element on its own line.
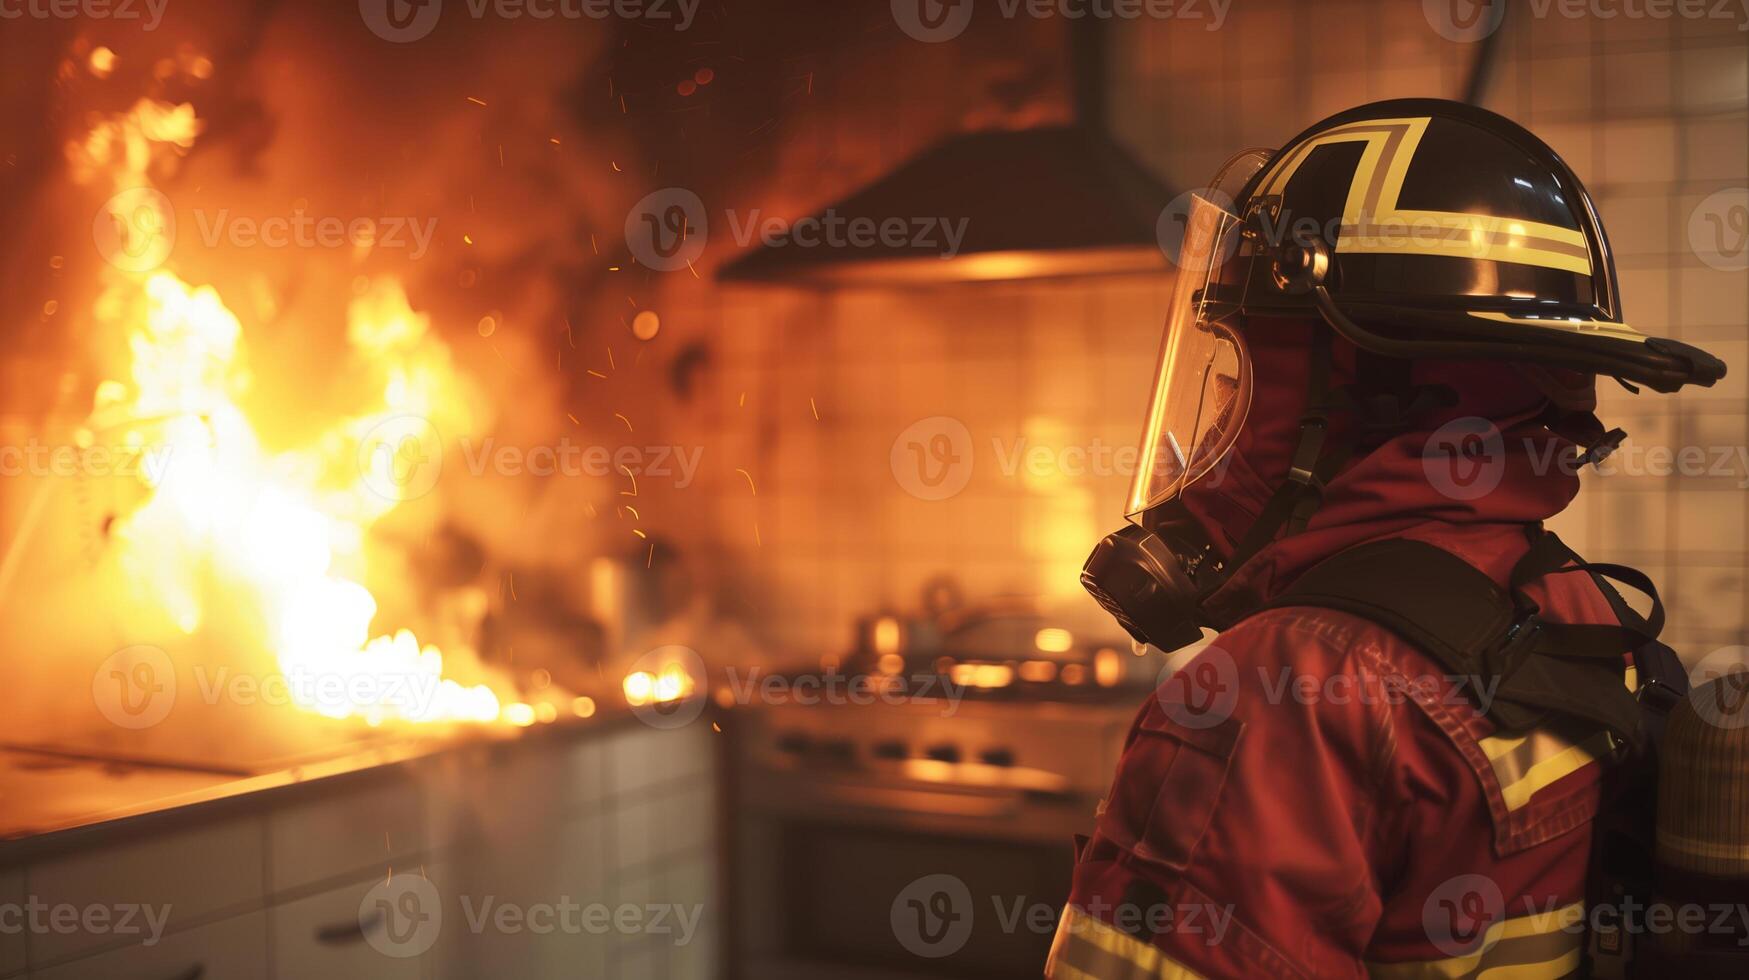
<point>476,101</point>
<point>640,534</point>
<point>627,421</point>
<point>633,492</point>
<point>690,269</point>
<point>573,419</point>
<point>634,511</point>
<point>553,140</point>
<point>616,167</point>
<point>749,477</point>
<point>597,373</point>
<point>610,365</point>
<point>815,407</point>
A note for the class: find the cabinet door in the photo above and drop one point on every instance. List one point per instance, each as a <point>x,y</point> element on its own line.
<point>342,833</point>
<point>234,949</point>
<point>197,873</point>
<point>374,930</point>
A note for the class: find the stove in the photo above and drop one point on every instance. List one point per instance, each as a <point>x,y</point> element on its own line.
<point>928,839</point>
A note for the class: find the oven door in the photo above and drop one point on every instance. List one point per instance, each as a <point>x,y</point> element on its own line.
<point>876,874</point>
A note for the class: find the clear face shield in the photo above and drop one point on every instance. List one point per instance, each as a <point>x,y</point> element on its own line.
<point>1202,384</point>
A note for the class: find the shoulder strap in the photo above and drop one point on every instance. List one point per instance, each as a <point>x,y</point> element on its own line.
<point>1427,595</point>
<point>1521,668</point>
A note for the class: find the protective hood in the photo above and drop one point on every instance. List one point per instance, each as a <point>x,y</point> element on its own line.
<point>1487,458</point>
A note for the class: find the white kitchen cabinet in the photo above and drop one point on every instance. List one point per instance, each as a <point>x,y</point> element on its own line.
<point>273,884</point>
<point>325,936</point>
<point>193,873</point>
<point>362,829</point>
<point>233,949</point>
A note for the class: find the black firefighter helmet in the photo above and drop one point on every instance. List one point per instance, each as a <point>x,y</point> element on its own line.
<point>1414,228</point>
<point>1441,230</point>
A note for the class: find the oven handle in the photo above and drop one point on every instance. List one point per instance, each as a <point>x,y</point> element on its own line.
<point>932,803</point>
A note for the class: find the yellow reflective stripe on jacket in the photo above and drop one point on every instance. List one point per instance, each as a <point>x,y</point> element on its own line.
<point>1532,947</point>
<point>1088,949</point>
<point>1528,763</point>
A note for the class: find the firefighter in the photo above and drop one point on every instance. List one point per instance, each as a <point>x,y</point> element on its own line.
<point>1376,382</point>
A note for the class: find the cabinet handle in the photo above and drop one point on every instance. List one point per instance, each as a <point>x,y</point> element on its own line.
<point>346,933</point>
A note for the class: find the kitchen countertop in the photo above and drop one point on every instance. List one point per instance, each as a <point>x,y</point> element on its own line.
<point>55,798</point>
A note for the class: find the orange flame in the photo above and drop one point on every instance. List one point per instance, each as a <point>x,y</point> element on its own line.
<point>267,523</point>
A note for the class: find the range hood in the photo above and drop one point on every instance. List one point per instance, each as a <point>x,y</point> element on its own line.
<point>1031,203</point>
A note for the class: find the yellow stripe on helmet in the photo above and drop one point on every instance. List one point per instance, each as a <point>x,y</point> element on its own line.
<point>1373,222</point>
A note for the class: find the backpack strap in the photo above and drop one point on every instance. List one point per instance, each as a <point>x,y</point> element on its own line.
<point>1495,637</point>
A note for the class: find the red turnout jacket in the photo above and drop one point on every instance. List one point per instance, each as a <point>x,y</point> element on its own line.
<point>1309,795</point>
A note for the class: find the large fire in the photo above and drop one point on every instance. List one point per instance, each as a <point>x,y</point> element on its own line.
<point>282,530</point>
